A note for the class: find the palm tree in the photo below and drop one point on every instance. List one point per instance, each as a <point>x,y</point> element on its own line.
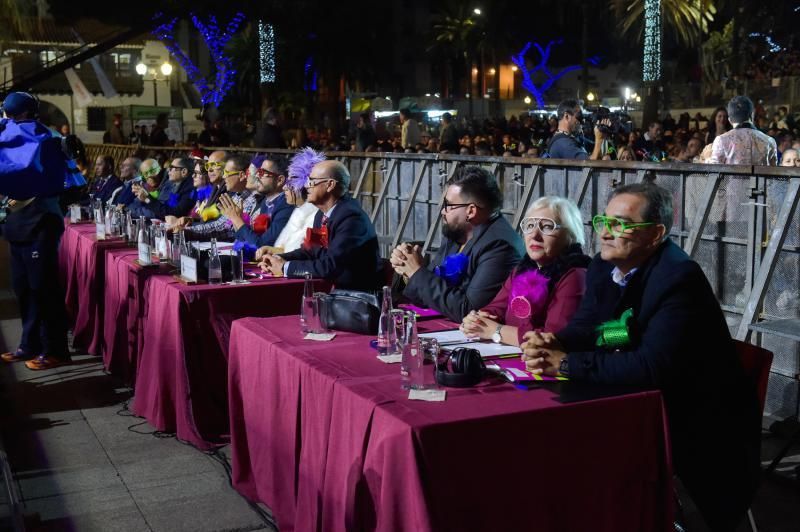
<point>453,28</point>
<point>686,20</point>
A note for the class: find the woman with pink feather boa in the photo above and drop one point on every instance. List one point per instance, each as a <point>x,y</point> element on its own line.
<point>544,291</point>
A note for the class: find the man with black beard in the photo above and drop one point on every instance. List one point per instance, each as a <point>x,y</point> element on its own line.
<point>478,250</point>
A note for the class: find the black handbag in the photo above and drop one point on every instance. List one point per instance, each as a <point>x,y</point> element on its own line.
<point>351,311</point>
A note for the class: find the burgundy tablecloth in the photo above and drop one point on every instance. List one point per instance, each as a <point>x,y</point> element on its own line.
<point>86,283</point>
<point>67,261</point>
<point>181,381</point>
<point>323,434</point>
<point>122,309</point>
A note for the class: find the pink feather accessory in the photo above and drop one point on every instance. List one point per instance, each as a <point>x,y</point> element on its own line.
<point>528,291</point>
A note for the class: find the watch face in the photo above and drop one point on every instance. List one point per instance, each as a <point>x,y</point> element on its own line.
<point>496,338</point>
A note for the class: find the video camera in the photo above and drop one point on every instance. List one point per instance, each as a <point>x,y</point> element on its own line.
<point>620,122</point>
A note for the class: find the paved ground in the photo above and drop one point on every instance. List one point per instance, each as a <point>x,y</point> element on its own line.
<point>80,462</point>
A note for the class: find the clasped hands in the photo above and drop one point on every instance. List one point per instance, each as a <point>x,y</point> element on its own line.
<point>272,263</point>
<point>479,324</point>
<point>407,259</point>
<point>542,353</point>
<point>231,210</point>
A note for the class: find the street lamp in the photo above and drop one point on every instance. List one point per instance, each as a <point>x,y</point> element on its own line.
<point>527,100</point>
<point>590,97</point>
<point>477,11</point>
<point>165,69</point>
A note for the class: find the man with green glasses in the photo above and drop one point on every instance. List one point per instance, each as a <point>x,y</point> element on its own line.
<point>649,319</point>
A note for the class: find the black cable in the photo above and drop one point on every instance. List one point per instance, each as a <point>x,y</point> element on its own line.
<point>217,456</point>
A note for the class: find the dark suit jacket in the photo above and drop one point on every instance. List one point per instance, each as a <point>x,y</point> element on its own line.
<point>182,206</point>
<point>494,250</point>
<point>279,212</point>
<point>680,345</point>
<point>351,260</point>
<point>103,187</point>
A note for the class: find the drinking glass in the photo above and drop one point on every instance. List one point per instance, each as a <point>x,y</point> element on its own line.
<point>237,266</point>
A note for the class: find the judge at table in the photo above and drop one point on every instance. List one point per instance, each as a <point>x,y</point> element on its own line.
<point>342,247</point>
<point>478,251</point>
<point>650,319</point>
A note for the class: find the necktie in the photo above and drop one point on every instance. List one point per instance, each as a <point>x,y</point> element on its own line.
<point>324,221</point>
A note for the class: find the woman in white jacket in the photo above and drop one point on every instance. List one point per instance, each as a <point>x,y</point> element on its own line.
<point>294,233</point>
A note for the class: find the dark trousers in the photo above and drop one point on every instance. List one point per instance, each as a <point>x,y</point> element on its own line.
<point>34,276</point>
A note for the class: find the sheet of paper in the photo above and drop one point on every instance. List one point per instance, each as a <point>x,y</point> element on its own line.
<point>390,359</point>
<point>454,336</point>
<point>205,246</point>
<point>427,395</point>
<point>320,337</point>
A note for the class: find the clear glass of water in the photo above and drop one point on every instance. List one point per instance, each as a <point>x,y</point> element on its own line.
<point>430,351</point>
<point>237,266</point>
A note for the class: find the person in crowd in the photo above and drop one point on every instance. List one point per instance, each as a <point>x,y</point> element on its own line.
<point>790,157</point>
<point>478,250</point>
<point>235,179</point>
<point>691,151</point>
<point>274,212</point>
<point>651,144</point>
<point>626,153</point>
<point>744,144</point>
<point>342,247</point>
<point>152,175</point>
<point>158,135</point>
<point>544,291</point>
<point>365,134</point>
<point>201,194</point>
<point>129,174</point>
<point>270,134</point>
<point>174,198</point>
<point>719,124</point>
<point>105,182</point>
<point>33,228</point>
<point>409,133</point>
<point>114,134</point>
<point>448,135</point>
<point>302,219</point>
<point>649,319</point>
<point>567,141</point>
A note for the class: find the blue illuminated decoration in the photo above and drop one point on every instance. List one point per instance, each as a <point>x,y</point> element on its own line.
<point>309,75</point>
<point>544,53</point>
<point>212,91</point>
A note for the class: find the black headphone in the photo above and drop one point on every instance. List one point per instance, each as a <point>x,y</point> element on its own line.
<point>467,368</point>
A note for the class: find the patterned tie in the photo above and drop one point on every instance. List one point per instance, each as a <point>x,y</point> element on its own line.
<point>324,221</point>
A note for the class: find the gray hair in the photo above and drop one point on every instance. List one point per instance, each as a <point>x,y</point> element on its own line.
<point>340,174</point>
<point>659,202</point>
<point>567,215</point>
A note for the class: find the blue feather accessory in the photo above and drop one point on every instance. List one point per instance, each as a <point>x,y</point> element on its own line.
<point>453,268</point>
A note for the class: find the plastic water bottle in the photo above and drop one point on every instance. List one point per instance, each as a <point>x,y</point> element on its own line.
<point>214,264</point>
<point>109,221</point>
<point>307,303</point>
<point>387,336</point>
<point>411,362</point>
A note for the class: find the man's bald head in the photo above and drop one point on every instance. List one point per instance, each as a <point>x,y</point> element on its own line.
<point>217,156</point>
<point>336,171</point>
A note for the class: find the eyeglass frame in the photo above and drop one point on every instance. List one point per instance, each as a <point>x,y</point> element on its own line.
<point>448,207</point>
<point>625,225</point>
<point>522,223</point>
<point>152,172</point>
<point>208,165</point>
<point>228,173</point>
<point>308,185</point>
<point>260,173</point>
<point>173,167</point>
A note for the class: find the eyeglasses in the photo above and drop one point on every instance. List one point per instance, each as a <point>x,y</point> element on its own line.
<point>615,226</point>
<point>447,206</point>
<point>546,226</point>
<point>261,174</point>
<point>228,173</point>
<point>311,184</point>
<point>171,167</point>
<point>215,165</point>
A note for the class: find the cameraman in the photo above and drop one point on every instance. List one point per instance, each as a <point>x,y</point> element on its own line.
<point>567,142</point>
<point>33,228</point>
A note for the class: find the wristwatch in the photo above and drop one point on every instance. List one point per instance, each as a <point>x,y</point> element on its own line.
<point>563,367</point>
<point>496,338</point>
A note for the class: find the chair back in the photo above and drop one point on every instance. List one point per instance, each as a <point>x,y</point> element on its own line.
<point>756,362</point>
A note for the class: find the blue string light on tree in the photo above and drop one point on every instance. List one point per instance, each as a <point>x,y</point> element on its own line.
<point>266,52</point>
<point>216,41</point>
<point>651,69</point>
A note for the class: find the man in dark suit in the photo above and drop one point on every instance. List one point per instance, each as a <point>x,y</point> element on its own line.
<point>344,247</point>
<point>105,182</point>
<point>478,251</point>
<point>175,199</point>
<point>676,340</point>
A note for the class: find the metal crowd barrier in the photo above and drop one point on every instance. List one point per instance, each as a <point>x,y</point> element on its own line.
<point>740,223</point>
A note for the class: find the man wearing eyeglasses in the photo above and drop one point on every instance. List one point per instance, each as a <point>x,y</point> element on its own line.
<point>478,251</point>
<point>567,142</point>
<point>649,319</point>
<point>269,176</point>
<point>175,197</point>
<point>348,254</point>
<point>234,178</point>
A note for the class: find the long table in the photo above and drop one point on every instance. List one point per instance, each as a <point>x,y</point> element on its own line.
<point>181,383</point>
<point>323,434</point>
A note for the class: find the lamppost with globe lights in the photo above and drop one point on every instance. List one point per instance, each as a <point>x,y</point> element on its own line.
<point>165,69</point>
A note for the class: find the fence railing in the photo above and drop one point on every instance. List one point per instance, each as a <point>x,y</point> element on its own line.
<point>740,223</point>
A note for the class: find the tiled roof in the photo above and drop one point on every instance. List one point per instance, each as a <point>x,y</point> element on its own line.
<point>50,31</point>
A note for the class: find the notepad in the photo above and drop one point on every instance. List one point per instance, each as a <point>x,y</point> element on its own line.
<point>513,370</point>
<point>454,336</point>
